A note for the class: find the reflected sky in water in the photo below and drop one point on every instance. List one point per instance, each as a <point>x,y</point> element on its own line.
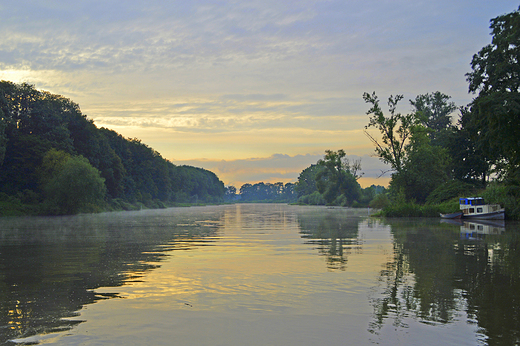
<point>253,275</point>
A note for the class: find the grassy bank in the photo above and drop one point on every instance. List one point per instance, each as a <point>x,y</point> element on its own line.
<point>410,209</point>
<point>506,196</point>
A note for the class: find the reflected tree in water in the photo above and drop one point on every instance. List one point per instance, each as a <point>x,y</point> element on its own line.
<point>50,267</point>
<point>436,273</point>
<point>489,274</point>
<point>419,279</point>
<point>334,235</point>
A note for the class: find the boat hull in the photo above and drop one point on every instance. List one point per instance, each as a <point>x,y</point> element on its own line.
<point>496,215</point>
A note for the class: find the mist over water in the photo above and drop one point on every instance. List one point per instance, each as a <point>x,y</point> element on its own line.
<point>256,274</point>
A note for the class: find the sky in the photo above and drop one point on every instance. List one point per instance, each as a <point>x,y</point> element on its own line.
<point>251,90</point>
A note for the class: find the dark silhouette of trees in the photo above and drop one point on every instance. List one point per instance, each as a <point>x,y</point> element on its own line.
<point>495,112</point>
<point>35,124</point>
<point>268,192</point>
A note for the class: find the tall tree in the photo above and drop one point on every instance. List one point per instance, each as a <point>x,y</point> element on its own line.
<point>33,122</point>
<point>470,158</point>
<point>433,111</point>
<point>231,193</point>
<point>395,130</point>
<point>419,167</point>
<point>496,79</point>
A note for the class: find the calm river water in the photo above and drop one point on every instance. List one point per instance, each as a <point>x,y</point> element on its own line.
<point>257,274</point>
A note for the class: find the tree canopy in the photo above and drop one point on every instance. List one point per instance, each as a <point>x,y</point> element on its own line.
<point>335,181</point>
<point>415,145</point>
<point>495,76</point>
<point>395,130</point>
<point>74,186</point>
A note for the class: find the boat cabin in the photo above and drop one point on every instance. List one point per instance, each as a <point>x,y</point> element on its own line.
<point>471,201</point>
<point>475,207</point>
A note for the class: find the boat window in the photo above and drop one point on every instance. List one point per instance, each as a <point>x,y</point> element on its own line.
<point>480,227</point>
<point>471,210</point>
<point>479,210</point>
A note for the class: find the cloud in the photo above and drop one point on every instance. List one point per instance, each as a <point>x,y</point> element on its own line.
<point>229,113</point>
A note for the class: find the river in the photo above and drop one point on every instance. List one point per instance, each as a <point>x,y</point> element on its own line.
<point>257,274</point>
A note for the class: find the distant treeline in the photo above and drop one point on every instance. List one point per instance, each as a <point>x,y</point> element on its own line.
<point>51,153</point>
<point>262,192</point>
<point>331,181</point>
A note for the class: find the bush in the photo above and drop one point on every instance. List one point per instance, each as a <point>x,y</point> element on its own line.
<point>314,198</point>
<point>449,190</point>
<point>380,201</point>
<point>341,200</point>
<point>76,187</point>
<point>410,209</point>
<point>508,196</point>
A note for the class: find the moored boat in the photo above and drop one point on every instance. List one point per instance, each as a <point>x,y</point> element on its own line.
<point>456,215</point>
<point>476,208</point>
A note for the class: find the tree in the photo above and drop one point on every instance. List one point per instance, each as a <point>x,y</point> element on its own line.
<point>52,164</point>
<point>231,193</point>
<point>3,137</point>
<point>433,111</point>
<point>335,182</point>
<point>77,186</point>
<point>306,183</point>
<point>33,123</point>
<point>496,78</point>
<point>470,158</point>
<point>395,130</point>
<point>425,167</point>
<point>289,193</point>
<point>419,167</point>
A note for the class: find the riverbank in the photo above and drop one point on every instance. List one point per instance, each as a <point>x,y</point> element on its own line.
<point>12,206</point>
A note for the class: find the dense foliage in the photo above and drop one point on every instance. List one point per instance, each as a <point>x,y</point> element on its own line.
<point>55,160</point>
<point>335,181</point>
<point>495,112</point>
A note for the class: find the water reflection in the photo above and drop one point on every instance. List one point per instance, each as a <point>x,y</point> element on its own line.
<point>334,233</point>
<point>50,267</point>
<point>443,273</point>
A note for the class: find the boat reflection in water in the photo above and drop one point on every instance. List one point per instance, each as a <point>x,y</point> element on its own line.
<point>477,229</point>
<point>480,229</point>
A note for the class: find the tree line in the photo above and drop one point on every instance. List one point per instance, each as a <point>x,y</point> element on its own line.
<point>262,192</point>
<point>54,160</point>
<point>331,181</point>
